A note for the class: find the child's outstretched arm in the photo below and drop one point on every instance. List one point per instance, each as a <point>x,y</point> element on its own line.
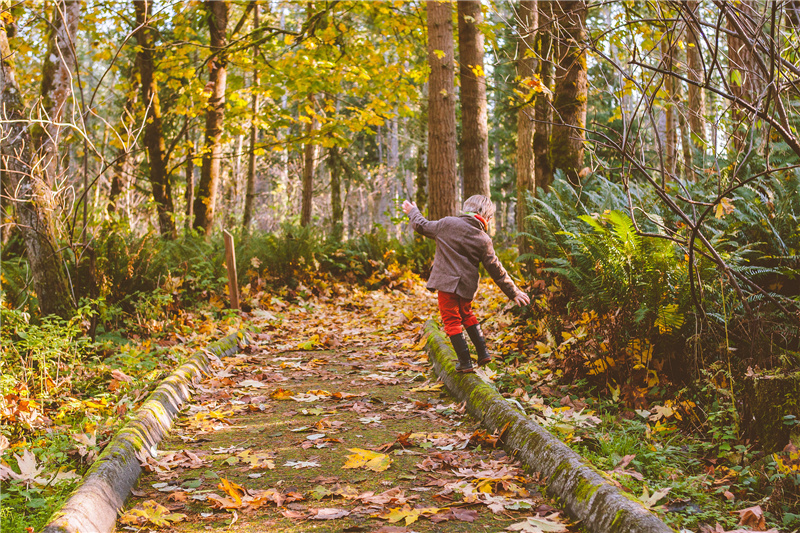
<point>495,269</point>
<point>420,224</point>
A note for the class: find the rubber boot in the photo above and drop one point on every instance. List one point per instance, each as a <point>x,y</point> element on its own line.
<point>476,336</point>
<point>462,352</point>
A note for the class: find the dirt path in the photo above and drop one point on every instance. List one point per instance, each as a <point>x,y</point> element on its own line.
<point>331,422</point>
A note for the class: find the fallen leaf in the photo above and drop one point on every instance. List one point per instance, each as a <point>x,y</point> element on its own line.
<point>328,514</point>
<point>377,462</point>
<point>539,525</point>
<point>151,512</point>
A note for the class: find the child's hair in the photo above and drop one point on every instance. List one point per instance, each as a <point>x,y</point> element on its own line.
<point>480,205</point>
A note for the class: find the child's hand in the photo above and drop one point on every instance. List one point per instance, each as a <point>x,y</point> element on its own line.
<point>408,206</point>
<point>522,299</point>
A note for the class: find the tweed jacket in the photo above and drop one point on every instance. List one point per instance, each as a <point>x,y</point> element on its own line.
<point>461,245</point>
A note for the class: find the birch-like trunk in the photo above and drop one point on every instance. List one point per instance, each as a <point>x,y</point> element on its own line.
<point>34,201</point>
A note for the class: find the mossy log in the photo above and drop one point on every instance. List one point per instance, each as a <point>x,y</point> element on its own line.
<point>580,488</point>
<point>94,504</point>
<point>767,399</point>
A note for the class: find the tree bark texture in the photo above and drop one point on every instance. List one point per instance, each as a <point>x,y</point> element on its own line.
<point>443,181</point>
<point>205,202</point>
<point>742,68</point>
<point>527,16</point>
<point>670,134</point>
<point>337,210</point>
<point>34,201</point>
<point>250,191</point>
<point>57,74</point>
<point>123,163</point>
<point>543,169</point>
<point>566,144</point>
<point>695,73</point>
<point>153,134</point>
<point>309,166</point>
<point>474,121</point>
<point>422,153</point>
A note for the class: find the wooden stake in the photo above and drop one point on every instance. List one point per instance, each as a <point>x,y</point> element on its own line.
<point>230,263</point>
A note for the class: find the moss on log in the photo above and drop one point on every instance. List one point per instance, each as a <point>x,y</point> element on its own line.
<point>768,398</point>
<point>94,504</point>
<point>579,487</point>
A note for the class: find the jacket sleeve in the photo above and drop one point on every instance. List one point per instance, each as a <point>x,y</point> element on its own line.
<point>422,225</point>
<point>498,273</point>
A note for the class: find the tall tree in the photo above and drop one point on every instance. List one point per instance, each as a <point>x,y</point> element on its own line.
<point>474,123</point>
<point>543,169</point>
<point>527,18</point>
<point>57,74</point>
<point>422,153</point>
<point>206,199</point>
<point>442,179</point>
<point>250,194</point>
<point>670,139</point>
<point>695,73</point>
<point>24,166</point>
<point>153,134</point>
<point>309,165</point>
<point>336,165</point>
<point>743,69</point>
<point>566,144</point>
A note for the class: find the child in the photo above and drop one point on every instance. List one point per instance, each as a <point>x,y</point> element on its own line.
<point>461,244</point>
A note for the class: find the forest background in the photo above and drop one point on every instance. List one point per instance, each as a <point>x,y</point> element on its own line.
<point>643,158</point>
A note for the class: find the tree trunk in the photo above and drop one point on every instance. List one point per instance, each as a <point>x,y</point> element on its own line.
<point>250,193</point>
<point>189,194</point>
<point>309,165</point>
<point>474,125</point>
<point>422,152</point>
<point>695,73</point>
<point>543,169</point>
<point>57,74</point>
<point>153,135</point>
<point>670,134</point>
<point>527,15</point>
<point>443,182</point>
<point>566,144</point>
<point>337,211</point>
<point>123,163</point>
<point>205,203</point>
<point>35,204</point>
<point>742,70</point>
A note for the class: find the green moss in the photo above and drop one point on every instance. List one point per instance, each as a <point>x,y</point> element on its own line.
<point>585,490</point>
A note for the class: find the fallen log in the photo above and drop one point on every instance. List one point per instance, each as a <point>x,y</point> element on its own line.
<point>94,504</point>
<point>578,486</point>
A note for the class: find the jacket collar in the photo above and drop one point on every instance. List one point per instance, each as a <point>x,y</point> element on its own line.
<point>480,219</point>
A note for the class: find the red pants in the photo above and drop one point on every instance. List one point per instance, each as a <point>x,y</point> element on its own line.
<point>456,311</point>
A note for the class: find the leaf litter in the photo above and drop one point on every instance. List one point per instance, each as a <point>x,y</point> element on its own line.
<point>335,417</point>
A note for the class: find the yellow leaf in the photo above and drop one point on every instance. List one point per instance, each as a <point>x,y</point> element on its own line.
<point>377,462</point>
<point>408,514</point>
<point>232,489</point>
<point>724,207</point>
<point>282,394</point>
<point>439,53</point>
<point>151,512</point>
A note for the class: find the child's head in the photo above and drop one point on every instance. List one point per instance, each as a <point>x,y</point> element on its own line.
<point>480,205</point>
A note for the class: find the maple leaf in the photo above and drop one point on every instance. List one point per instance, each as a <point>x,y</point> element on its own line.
<point>377,462</point>
<point>649,501</point>
<point>302,464</point>
<point>281,394</point>
<point>232,489</point>
<point>151,512</point>
<point>408,514</point>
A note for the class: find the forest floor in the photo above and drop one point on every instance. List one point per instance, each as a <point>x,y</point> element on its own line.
<point>332,420</point>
